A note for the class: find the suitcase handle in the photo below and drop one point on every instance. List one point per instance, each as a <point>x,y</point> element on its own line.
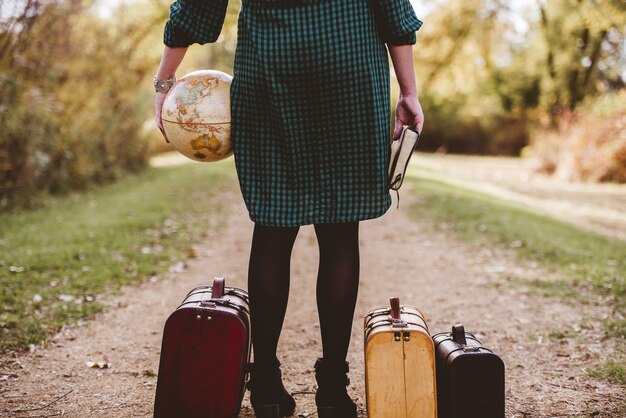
<point>458,334</point>
<point>395,308</point>
<point>217,290</point>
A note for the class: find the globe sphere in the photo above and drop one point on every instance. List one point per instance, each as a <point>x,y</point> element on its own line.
<point>196,115</point>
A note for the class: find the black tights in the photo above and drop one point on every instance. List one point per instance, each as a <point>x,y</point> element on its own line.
<point>337,286</point>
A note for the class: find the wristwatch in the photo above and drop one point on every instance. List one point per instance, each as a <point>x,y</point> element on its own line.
<point>163,86</point>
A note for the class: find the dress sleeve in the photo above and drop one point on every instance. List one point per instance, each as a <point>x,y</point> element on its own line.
<point>396,20</point>
<point>194,21</point>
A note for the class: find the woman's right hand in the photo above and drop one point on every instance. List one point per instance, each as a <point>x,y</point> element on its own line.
<point>408,112</point>
<point>160,98</point>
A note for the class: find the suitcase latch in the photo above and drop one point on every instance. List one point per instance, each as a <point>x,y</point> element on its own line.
<point>404,335</point>
<point>207,304</point>
<point>469,349</point>
<point>398,323</point>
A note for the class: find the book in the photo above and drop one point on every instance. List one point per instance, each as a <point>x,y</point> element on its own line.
<point>401,151</point>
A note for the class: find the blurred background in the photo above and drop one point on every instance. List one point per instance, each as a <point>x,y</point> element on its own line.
<point>533,78</point>
<point>523,154</point>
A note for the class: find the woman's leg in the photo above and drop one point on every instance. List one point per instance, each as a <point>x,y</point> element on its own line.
<point>337,286</point>
<point>268,287</point>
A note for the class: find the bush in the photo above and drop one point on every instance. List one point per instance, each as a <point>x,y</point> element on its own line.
<point>72,101</point>
<point>589,145</point>
<point>453,127</point>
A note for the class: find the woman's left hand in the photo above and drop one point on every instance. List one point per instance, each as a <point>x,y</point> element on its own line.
<point>408,112</point>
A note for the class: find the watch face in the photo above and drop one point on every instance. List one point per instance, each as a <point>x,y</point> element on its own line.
<point>163,86</point>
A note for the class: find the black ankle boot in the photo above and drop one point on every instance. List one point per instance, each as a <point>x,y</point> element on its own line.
<point>332,398</point>
<point>268,395</point>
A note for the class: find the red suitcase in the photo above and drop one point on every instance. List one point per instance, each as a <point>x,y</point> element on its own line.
<point>204,355</point>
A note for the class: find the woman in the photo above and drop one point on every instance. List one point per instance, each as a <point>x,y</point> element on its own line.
<point>310,129</point>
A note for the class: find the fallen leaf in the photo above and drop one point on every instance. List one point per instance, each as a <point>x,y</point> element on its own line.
<point>66,298</point>
<point>98,365</point>
<point>178,268</point>
<point>117,257</point>
<point>79,256</point>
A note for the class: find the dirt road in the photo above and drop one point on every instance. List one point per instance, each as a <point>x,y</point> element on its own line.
<point>546,345</point>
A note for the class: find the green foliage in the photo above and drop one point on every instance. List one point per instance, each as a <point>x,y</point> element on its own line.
<point>72,101</point>
<point>576,37</point>
<point>57,263</point>
<point>76,98</point>
<point>454,63</point>
<point>616,327</point>
<point>612,371</point>
<point>488,85</point>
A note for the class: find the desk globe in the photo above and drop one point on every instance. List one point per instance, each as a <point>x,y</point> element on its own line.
<point>196,115</point>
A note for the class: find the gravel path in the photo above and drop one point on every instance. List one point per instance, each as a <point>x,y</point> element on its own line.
<point>449,281</point>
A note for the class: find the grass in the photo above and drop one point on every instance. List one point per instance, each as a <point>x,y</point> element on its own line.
<point>58,263</point>
<point>591,267</point>
<point>610,370</point>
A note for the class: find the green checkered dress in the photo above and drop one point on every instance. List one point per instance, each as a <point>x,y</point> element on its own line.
<point>309,101</point>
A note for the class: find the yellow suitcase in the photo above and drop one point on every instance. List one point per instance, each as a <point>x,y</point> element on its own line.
<point>399,363</point>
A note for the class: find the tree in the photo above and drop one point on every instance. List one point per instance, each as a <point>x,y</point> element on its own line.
<point>580,39</point>
<point>74,94</point>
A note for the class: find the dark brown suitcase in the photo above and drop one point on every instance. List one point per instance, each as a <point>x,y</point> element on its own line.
<point>470,377</point>
<point>205,354</point>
